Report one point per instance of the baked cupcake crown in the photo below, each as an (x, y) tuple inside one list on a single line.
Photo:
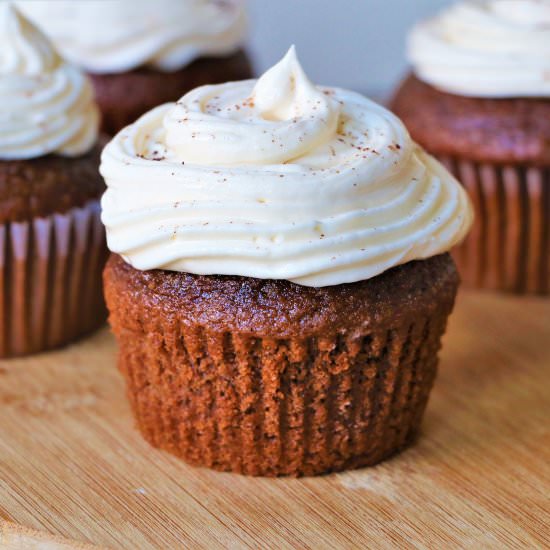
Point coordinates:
[(46, 105), (277, 179)]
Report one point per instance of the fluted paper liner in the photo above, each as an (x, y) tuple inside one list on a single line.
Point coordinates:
[(262, 406), (509, 246), (50, 276)]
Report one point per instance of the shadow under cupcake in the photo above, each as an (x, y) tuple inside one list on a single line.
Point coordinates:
[(278, 297)]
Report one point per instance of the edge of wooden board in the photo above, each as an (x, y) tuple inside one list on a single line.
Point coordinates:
[(18, 537)]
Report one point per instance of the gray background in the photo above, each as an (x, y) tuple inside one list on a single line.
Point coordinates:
[(356, 44)]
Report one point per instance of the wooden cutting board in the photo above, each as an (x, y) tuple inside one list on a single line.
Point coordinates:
[(72, 465)]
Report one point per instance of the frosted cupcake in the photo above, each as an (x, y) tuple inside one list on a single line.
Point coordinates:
[(479, 100), (140, 54), (52, 242), (279, 284)]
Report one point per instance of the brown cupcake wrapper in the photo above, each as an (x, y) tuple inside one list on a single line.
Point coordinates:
[(50, 280), (508, 247), (270, 407)]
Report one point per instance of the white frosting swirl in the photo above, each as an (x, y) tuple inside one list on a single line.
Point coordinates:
[(111, 36), (486, 48), (278, 179), (46, 105)]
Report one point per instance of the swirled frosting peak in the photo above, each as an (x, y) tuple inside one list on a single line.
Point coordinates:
[(280, 179), (110, 36), (46, 106), (284, 117), (486, 48)]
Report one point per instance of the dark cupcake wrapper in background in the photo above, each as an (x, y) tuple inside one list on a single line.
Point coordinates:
[(50, 277), (508, 248), (270, 406)]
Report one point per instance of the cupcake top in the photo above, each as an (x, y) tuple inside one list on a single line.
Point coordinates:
[(112, 36), (486, 48), (46, 105), (277, 179)]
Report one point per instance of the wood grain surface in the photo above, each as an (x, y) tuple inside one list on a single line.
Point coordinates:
[(72, 465)]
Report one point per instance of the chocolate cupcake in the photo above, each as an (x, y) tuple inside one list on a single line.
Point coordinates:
[(146, 53), (279, 284), (479, 101), (52, 243)]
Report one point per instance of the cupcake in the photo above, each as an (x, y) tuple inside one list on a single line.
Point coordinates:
[(479, 100), (280, 280), (146, 53), (51, 239)]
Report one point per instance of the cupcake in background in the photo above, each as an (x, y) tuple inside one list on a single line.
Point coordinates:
[(140, 54), (279, 284), (479, 99), (52, 243)]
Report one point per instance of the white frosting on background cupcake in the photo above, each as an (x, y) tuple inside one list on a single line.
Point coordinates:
[(111, 36), (486, 48), (277, 178), (46, 105)]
